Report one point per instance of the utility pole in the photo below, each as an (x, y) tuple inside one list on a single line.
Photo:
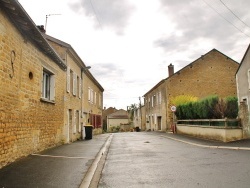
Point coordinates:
[(47, 19), (140, 111)]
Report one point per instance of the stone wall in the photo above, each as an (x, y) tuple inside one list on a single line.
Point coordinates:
[(212, 74), (27, 124), (244, 117)]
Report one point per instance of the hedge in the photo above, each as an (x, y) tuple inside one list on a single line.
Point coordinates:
[(211, 107)]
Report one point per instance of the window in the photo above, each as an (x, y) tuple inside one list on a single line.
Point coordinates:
[(71, 81), (74, 84), (80, 88), (68, 79), (91, 95), (48, 85), (95, 98), (159, 97), (100, 100)]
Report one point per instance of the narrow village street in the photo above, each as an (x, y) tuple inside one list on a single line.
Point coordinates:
[(149, 159), (134, 159)]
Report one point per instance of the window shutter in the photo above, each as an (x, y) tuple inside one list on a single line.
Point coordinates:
[(80, 88), (74, 121), (79, 116), (68, 79), (95, 98), (74, 84), (89, 93), (52, 87)]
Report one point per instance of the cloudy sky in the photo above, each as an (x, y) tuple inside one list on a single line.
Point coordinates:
[(130, 43)]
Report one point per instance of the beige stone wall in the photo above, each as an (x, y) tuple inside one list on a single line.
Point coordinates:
[(211, 133), (157, 111), (27, 124), (212, 74), (91, 106)]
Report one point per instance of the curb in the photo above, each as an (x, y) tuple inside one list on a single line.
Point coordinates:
[(209, 146), (92, 169)]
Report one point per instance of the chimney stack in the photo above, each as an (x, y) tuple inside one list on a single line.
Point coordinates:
[(41, 28), (170, 70)]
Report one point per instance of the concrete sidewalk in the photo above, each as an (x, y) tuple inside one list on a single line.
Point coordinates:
[(64, 166), (235, 145)]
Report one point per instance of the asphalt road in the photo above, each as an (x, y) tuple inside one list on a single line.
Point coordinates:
[(147, 159)]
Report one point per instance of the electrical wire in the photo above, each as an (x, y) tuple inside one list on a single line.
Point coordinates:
[(226, 19), (95, 13), (234, 14)]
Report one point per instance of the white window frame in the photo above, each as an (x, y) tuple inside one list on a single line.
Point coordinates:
[(74, 121), (89, 94), (68, 79), (79, 116), (80, 88), (48, 85), (74, 83), (95, 98), (159, 97)]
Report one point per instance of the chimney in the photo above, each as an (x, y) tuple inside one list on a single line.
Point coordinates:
[(170, 70), (41, 28)]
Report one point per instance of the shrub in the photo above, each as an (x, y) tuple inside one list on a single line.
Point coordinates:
[(232, 107), (210, 107)]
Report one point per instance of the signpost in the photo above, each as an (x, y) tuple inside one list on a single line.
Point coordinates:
[(173, 109)]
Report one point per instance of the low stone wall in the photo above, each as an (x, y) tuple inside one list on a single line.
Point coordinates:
[(213, 133)]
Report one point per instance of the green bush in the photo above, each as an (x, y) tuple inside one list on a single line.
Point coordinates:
[(210, 107), (232, 107)]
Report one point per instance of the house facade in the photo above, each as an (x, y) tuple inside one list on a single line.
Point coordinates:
[(105, 113), (211, 74), (155, 108), (139, 118), (32, 87), (243, 92), (47, 93), (84, 95), (118, 118)]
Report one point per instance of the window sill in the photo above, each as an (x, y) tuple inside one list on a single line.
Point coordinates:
[(47, 101)]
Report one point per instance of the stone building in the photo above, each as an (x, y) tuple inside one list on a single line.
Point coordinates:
[(105, 114), (84, 95), (118, 119), (47, 92), (243, 92), (211, 74), (32, 87)]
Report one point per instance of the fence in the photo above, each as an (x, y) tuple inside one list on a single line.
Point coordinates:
[(223, 123)]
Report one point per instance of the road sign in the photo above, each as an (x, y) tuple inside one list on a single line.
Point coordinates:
[(173, 108)]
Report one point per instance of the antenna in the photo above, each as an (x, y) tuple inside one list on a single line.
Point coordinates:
[(47, 19)]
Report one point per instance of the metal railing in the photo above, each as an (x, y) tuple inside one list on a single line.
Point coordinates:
[(226, 123)]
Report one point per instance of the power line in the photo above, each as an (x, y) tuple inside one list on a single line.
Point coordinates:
[(226, 19), (95, 13), (234, 14)]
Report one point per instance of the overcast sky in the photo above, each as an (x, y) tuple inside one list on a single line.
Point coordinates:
[(130, 43)]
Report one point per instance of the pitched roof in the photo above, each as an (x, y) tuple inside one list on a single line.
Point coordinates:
[(188, 66), (120, 114), (22, 21), (73, 52), (248, 48)]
